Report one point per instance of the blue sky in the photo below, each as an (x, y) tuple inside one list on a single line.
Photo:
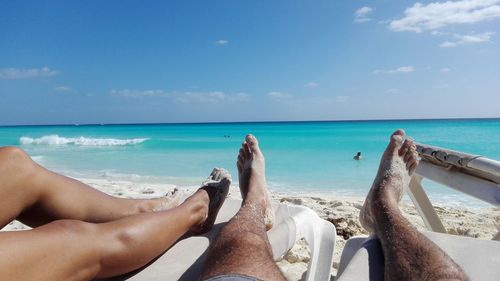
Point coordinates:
[(206, 61)]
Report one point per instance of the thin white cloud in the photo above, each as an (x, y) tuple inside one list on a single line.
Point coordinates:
[(441, 86), (473, 38), (137, 93), (362, 14), (200, 97), (63, 89), (278, 95), (393, 91), (341, 99), (402, 69), (436, 15), (240, 97), (312, 84), (182, 97), (444, 70), (209, 97), (26, 73), (221, 42), (438, 33)]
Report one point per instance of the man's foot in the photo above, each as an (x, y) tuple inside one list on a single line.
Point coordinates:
[(397, 165), (217, 188), (252, 178)]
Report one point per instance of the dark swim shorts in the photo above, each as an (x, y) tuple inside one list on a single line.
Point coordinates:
[(232, 277)]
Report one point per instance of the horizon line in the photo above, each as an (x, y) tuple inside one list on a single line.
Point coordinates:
[(248, 122)]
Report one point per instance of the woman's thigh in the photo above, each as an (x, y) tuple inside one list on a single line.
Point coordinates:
[(62, 250)]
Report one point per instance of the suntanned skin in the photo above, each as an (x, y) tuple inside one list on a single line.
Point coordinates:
[(84, 233), (36, 196), (242, 246), (408, 254)]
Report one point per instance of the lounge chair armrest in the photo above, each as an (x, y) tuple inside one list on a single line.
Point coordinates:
[(320, 235)]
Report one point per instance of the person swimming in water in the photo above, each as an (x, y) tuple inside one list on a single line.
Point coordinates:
[(358, 156)]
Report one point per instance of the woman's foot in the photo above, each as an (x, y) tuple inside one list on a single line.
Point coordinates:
[(397, 165), (171, 200), (252, 178), (212, 194)]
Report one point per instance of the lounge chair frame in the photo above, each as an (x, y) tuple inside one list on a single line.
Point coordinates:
[(474, 175)]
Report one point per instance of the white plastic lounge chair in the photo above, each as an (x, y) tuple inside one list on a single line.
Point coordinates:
[(362, 257), (184, 260), (473, 175)]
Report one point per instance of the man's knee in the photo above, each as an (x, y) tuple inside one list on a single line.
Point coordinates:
[(244, 253)]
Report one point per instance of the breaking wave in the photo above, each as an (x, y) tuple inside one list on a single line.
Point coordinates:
[(80, 141)]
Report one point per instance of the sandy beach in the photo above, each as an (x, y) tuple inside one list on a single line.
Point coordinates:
[(343, 212)]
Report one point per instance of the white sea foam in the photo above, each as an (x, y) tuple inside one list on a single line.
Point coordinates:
[(80, 141), (38, 158)]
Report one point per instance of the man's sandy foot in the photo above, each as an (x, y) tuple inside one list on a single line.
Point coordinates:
[(397, 165), (217, 187), (252, 178)]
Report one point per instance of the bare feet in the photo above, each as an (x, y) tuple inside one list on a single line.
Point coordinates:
[(252, 178), (171, 200), (216, 186), (397, 165)]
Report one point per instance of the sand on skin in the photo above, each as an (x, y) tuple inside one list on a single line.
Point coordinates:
[(343, 212)]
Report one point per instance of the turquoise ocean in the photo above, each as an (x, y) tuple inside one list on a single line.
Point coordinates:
[(301, 157)]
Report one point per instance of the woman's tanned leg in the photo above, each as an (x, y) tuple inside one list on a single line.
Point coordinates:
[(37, 196), (76, 250)]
